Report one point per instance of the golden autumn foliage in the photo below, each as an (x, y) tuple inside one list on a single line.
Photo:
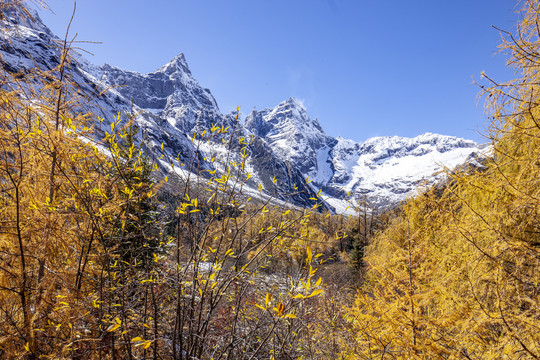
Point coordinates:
[(97, 261), (63, 209), (457, 274), (101, 260)]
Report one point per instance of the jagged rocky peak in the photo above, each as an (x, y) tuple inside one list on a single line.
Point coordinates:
[(170, 92), (290, 112), (288, 120), (154, 89), (292, 135), (178, 64), (294, 107)]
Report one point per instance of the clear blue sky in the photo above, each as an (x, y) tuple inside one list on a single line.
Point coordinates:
[(362, 67)]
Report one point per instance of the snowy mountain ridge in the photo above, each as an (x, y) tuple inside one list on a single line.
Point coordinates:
[(382, 170), (287, 144), (289, 131)]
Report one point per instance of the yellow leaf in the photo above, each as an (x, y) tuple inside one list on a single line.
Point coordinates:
[(115, 326), (279, 309), (267, 299), (290, 316), (309, 254)]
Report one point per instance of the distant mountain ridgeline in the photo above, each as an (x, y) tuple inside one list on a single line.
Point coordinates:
[(285, 143)]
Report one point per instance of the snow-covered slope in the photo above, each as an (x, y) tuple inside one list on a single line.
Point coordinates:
[(294, 137), (386, 170), (170, 105), (285, 143), (382, 170)]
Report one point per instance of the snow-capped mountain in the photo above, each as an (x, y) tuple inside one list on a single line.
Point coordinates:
[(170, 92), (386, 170), (294, 137), (382, 170), (285, 143), (170, 106)]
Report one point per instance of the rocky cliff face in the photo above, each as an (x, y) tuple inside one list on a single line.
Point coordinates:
[(170, 92), (294, 137), (382, 170), (285, 143)]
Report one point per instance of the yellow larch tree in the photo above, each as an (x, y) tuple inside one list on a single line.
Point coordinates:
[(456, 276)]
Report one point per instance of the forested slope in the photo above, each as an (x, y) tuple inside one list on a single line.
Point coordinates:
[(457, 275), (100, 259)]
